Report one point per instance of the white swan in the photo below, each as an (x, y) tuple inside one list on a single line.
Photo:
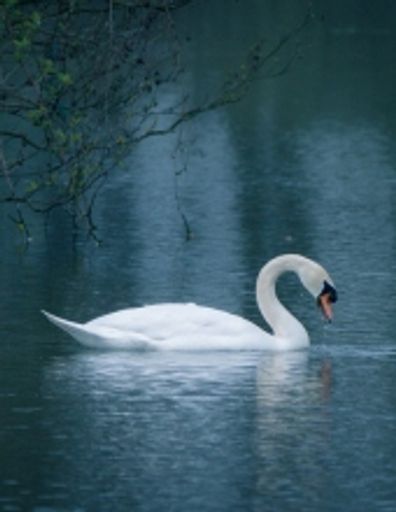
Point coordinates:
[(193, 327)]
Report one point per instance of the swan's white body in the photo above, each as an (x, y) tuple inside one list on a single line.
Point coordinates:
[(193, 327)]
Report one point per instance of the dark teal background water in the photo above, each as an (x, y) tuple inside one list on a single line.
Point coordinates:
[(306, 163)]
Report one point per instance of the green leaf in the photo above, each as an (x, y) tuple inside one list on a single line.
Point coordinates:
[(36, 19), (21, 226), (47, 66), (32, 186), (65, 79), (21, 46), (60, 136), (75, 137)]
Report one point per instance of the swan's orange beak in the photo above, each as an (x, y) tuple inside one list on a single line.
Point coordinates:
[(324, 302)]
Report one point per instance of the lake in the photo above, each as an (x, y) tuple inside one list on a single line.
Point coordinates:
[(305, 163)]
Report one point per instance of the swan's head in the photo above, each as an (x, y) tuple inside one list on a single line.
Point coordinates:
[(326, 298), (318, 282)]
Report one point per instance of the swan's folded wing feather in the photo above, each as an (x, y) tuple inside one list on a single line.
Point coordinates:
[(186, 326)]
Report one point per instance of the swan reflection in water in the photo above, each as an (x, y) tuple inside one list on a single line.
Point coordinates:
[(293, 423), (172, 424)]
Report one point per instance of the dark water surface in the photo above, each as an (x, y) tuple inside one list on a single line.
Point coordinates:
[(305, 164), (299, 431)]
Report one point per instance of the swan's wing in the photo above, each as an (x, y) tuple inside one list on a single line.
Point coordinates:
[(185, 326), (99, 336)]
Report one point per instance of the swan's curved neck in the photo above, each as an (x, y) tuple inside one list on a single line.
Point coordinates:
[(282, 322)]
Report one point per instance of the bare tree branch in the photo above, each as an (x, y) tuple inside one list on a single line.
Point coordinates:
[(81, 85)]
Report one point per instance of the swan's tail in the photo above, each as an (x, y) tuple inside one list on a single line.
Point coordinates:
[(78, 331), (102, 337)]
